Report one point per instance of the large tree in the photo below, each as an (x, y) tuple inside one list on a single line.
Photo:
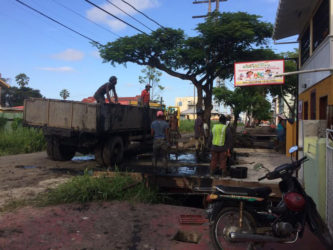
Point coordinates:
[(22, 80), (221, 40), (15, 96)]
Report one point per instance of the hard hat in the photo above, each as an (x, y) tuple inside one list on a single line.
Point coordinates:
[(112, 79), (159, 113)]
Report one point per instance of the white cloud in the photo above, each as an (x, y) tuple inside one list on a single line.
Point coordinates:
[(69, 55), (100, 16), (57, 69)]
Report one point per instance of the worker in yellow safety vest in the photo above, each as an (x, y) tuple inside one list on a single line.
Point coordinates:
[(221, 144)]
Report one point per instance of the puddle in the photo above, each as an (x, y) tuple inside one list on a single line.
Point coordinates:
[(83, 158), (25, 167), (67, 171), (189, 158), (186, 170)]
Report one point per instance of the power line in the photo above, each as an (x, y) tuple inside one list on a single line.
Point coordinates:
[(28, 6), (129, 15), (143, 13), (64, 6), (115, 17)]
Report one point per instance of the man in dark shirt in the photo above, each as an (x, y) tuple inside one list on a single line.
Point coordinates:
[(160, 133), (221, 144), (105, 89)]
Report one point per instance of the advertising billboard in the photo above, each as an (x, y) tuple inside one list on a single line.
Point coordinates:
[(258, 73)]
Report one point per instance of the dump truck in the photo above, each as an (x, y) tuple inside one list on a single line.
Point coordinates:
[(105, 130)]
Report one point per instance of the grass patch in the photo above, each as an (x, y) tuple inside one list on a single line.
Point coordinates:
[(186, 126), (86, 188), (21, 140)]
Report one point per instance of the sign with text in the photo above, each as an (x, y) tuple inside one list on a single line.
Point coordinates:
[(258, 73)]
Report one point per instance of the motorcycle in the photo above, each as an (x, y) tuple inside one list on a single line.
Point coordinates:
[(249, 217)]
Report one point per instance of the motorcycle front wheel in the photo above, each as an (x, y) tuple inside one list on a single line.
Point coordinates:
[(226, 222)]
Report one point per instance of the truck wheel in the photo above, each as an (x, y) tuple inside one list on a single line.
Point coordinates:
[(113, 151), (59, 152), (99, 154)]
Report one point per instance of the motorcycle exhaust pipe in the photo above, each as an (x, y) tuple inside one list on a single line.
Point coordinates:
[(236, 237)]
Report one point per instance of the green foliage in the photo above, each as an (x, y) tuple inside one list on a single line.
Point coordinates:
[(17, 123), (186, 126), (87, 188), (64, 94), (222, 39), (22, 80), (245, 99), (15, 96), (3, 122), (21, 140)]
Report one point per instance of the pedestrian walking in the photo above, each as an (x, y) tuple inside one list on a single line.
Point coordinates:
[(160, 133), (221, 144)]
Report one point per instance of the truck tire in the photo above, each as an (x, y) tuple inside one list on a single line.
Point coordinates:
[(58, 152), (99, 154), (113, 151)]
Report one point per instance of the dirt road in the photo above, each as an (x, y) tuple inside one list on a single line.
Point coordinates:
[(25, 175)]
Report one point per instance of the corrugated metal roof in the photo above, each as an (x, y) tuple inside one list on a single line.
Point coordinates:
[(292, 16)]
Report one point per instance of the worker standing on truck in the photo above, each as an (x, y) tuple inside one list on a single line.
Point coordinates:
[(145, 96), (160, 133), (105, 89)]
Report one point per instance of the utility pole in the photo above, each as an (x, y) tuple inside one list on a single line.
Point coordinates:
[(217, 8)]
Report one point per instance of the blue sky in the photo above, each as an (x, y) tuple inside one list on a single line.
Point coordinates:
[(55, 58)]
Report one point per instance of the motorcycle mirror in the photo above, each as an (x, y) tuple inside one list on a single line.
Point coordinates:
[(293, 149)]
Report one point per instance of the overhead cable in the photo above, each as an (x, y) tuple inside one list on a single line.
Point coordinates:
[(28, 6), (116, 17), (64, 6), (129, 15), (142, 13)]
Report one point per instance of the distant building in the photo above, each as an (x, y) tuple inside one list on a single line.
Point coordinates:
[(279, 107)]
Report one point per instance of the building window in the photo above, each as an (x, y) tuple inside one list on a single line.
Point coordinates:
[(313, 105), (323, 108), (306, 111), (321, 23), (180, 104), (305, 45)]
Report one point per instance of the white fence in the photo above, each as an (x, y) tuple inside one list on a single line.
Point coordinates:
[(329, 179)]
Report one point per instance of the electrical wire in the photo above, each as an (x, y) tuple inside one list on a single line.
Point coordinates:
[(143, 14), (64, 6), (28, 6), (114, 17), (129, 15)]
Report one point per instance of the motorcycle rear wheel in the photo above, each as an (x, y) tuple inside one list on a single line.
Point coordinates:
[(227, 221)]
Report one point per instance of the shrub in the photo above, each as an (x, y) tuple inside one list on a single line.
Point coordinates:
[(86, 188), (21, 140)]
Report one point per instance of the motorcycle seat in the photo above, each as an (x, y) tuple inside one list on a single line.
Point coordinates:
[(261, 192)]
